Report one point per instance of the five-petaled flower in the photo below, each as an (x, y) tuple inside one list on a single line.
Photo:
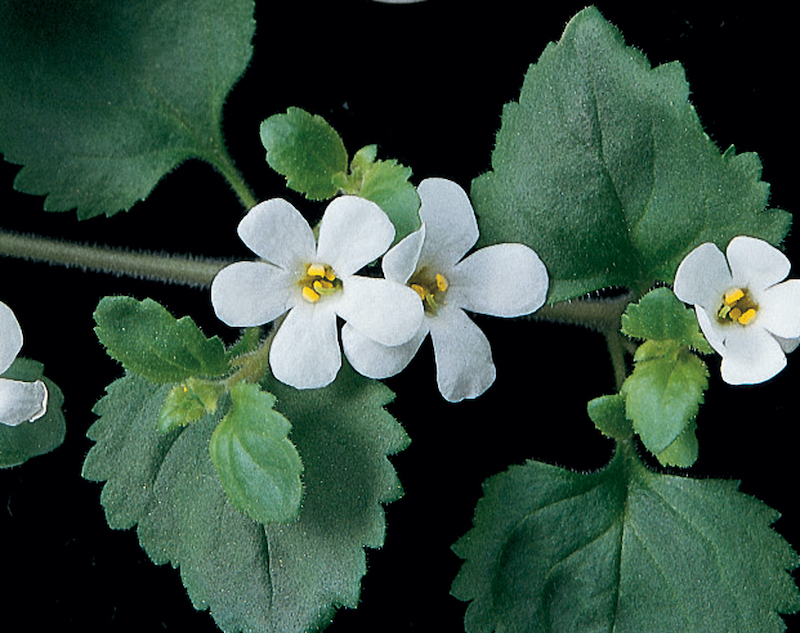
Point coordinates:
[(19, 401), (505, 280), (312, 282), (746, 310)]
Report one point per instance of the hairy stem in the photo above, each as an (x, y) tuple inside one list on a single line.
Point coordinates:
[(178, 269)]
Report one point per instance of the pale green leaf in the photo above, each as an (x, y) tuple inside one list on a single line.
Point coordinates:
[(100, 100), (29, 439), (624, 550), (602, 167)]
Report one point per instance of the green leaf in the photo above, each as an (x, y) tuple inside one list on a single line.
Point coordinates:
[(257, 464), (149, 341), (661, 316), (683, 452), (189, 401), (29, 439), (608, 415), (663, 395), (100, 100), (306, 150), (280, 578), (602, 167), (624, 550)]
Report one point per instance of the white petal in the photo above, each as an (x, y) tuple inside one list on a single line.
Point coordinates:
[(353, 232), (712, 330), (751, 355), (21, 401), (374, 360), (703, 276), (401, 260), (277, 232), (386, 311), (305, 352), (505, 280), (779, 309), (451, 228), (464, 365), (246, 294), (10, 337), (755, 263)]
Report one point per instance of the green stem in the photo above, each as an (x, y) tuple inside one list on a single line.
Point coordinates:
[(178, 269), (224, 164)]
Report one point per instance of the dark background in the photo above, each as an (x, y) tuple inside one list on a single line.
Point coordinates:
[(426, 83)]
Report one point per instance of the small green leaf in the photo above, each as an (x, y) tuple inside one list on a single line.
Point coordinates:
[(29, 439), (149, 341), (661, 316), (602, 167), (608, 415), (624, 550), (663, 395), (306, 150), (256, 462), (683, 452), (100, 100), (189, 401)]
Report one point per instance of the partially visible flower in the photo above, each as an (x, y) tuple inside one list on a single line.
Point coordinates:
[(19, 401), (314, 282), (746, 310), (505, 280)]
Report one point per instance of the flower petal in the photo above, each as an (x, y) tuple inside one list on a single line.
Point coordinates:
[(353, 232), (451, 228), (506, 280), (464, 365), (779, 309), (245, 294), (703, 276), (751, 355), (10, 337), (305, 352), (401, 260), (21, 401), (374, 360), (386, 311), (755, 263), (277, 232)]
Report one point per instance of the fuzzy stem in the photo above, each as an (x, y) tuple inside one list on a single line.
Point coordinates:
[(178, 269)]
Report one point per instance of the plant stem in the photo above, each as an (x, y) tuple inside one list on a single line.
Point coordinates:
[(223, 163), (178, 269)]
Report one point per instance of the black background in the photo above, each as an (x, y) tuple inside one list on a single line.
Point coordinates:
[(425, 82)]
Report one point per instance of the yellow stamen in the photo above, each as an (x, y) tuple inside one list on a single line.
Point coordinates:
[(419, 290), (310, 295), (734, 314), (733, 295), (441, 282), (329, 274), (317, 270), (747, 317)]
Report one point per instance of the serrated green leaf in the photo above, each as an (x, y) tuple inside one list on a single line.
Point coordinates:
[(602, 167), (149, 341), (608, 415), (29, 439), (623, 550), (306, 150), (663, 395), (683, 452), (661, 316), (281, 578), (189, 401), (100, 100), (256, 462)]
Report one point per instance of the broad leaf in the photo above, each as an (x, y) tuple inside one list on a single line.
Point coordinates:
[(602, 167), (282, 578), (624, 550), (149, 341), (256, 462), (29, 439), (100, 100)]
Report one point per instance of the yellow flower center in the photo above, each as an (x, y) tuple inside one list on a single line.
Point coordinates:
[(430, 288), (319, 280), (737, 307)]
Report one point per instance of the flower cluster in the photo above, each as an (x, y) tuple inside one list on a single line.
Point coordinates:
[(427, 286), (19, 401), (747, 312)]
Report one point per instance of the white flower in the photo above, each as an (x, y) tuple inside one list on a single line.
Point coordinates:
[(19, 401), (748, 313), (315, 282), (502, 280)]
